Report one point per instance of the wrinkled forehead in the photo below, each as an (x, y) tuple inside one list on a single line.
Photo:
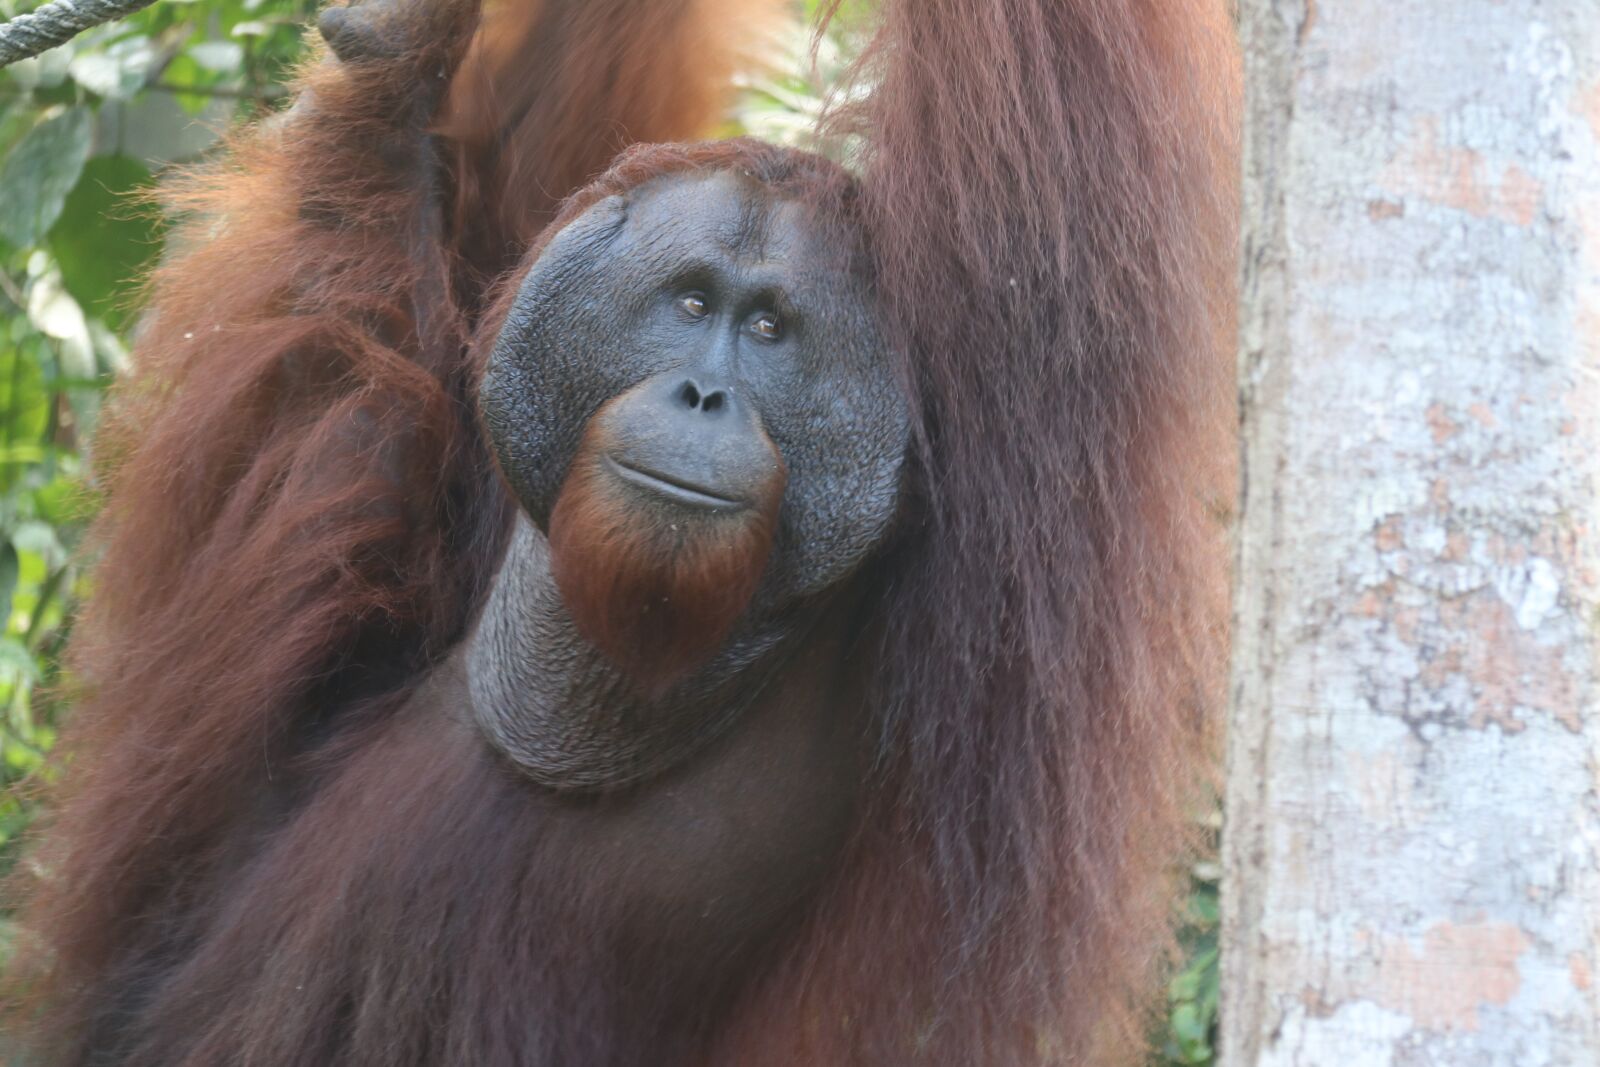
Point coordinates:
[(723, 214)]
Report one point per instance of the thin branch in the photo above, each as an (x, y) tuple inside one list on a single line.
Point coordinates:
[(267, 93), (9, 287), (56, 23)]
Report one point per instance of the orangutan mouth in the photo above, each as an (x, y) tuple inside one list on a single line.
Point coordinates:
[(674, 488)]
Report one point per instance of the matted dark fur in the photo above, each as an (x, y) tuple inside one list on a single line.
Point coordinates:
[(302, 519)]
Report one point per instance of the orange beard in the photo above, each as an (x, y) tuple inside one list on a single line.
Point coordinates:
[(656, 589)]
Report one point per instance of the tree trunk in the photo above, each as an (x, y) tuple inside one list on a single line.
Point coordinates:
[(1413, 830)]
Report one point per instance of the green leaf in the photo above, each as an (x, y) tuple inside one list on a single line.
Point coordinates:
[(15, 121), (1189, 1028), (9, 570), (185, 72), (24, 410), (104, 240), (44, 71), (61, 502), (219, 57), (1203, 909), (119, 71), (109, 347), (40, 549), (40, 171), (57, 315), (15, 656), (1189, 984)]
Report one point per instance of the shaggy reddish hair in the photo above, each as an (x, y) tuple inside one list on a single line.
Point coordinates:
[(1050, 194), (302, 519)]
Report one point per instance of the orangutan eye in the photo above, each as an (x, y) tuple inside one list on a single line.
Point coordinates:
[(766, 327), (694, 305)]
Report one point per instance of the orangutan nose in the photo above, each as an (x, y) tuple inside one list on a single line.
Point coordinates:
[(706, 396)]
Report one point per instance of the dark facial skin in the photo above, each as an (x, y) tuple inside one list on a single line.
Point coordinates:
[(692, 405), (706, 280)]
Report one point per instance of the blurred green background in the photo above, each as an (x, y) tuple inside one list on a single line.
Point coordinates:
[(85, 131)]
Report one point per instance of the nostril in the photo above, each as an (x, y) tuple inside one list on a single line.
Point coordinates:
[(688, 394)]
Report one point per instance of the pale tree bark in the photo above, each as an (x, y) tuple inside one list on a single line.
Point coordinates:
[(1413, 831)]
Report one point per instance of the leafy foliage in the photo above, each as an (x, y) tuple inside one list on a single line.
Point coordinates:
[(1189, 1035), (805, 75), (85, 130)]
